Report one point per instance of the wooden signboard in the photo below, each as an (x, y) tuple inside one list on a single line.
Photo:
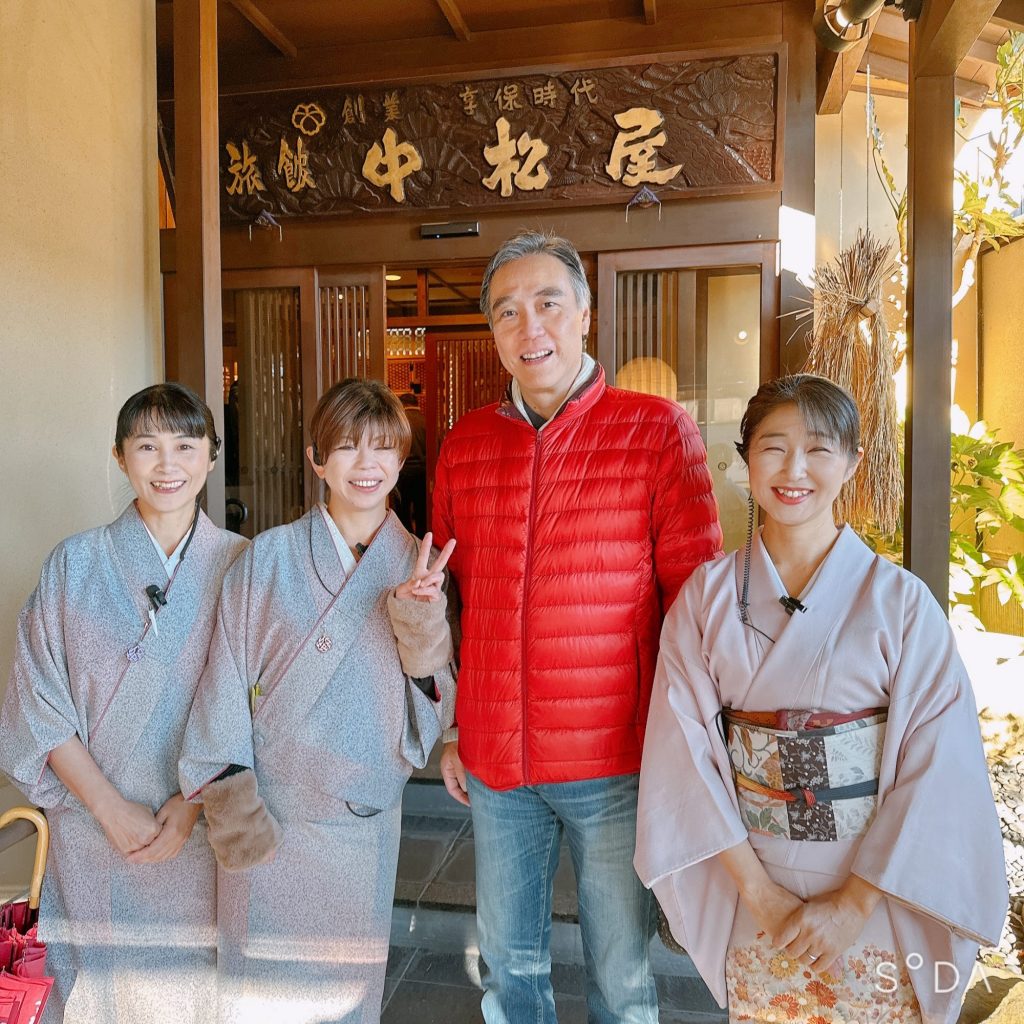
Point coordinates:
[(601, 135)]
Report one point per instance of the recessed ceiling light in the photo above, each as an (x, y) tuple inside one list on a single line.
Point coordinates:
[(392, 277)]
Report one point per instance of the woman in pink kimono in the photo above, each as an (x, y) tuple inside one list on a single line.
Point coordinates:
[(109, 651), (815, 815)]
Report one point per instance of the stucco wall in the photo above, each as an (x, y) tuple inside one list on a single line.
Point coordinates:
[(1002, 369), (79, 270)]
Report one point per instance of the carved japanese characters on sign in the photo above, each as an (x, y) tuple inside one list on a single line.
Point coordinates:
[(635, 152), (389, 165), (245, 175), (294, 165), (528, 173), (688, 128), (583, 89)]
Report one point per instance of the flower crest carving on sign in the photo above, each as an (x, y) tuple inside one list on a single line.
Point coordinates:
[(309, 118)]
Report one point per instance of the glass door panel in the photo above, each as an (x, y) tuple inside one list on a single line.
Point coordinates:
[(673, 323)]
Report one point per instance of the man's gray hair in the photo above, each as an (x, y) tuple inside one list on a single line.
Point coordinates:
[(533, 243)]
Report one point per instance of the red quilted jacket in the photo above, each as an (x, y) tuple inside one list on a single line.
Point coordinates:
[(572, 543)]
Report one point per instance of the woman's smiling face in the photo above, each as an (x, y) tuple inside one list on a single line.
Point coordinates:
[(361, 474), (796, 475), (166, 469)]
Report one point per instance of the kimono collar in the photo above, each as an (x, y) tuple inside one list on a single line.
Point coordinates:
[(170, 561), (798, 639), (345, 556), (327, 559), (826, 584), (137, 557)]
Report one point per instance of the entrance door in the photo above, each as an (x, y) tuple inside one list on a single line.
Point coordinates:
[(697, 325), (269, 322)]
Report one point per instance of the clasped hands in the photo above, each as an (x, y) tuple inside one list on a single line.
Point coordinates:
[(143, 837), (819, 930)]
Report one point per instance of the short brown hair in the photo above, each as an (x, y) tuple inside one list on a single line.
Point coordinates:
[(350, 409), (827, 409)]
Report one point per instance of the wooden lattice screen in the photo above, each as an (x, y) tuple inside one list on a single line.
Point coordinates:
[(465, 373), (344, 332), (269, 405)]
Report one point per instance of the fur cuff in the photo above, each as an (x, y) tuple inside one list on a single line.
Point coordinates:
[(242, 832), (424, 638)]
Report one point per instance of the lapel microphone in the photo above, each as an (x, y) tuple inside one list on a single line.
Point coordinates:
[(156, 597), (792, 604)]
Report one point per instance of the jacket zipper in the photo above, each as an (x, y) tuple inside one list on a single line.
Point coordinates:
[(526, 591)]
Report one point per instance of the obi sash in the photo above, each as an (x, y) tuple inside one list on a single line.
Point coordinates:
[(806, 775)]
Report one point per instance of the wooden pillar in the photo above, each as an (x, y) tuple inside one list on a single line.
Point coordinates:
[(929, 330), (796, 226), (939, 41), (197, 215)]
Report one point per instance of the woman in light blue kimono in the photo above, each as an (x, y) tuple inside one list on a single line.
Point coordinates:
[(110, 647), (330, 678)]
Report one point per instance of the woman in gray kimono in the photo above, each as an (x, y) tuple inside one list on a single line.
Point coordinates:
[(329, 680), (110, 647)]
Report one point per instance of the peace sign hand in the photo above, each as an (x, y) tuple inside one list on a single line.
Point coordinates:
[(425, 583)]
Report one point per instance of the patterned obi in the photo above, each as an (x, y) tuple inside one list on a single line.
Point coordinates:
[(808, 775)]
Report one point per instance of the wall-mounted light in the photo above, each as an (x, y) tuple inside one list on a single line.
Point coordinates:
[(392, 277), (451, 229), (839, 26), (741, 337)]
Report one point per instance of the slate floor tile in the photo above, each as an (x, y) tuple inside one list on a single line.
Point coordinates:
[(458, 969), (419, 1002)]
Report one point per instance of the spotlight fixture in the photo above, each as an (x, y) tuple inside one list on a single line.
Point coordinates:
[(840, 25)]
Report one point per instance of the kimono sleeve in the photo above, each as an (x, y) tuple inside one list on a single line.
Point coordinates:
[(39, 712), (935, 846), (687, 809), (219, 729)]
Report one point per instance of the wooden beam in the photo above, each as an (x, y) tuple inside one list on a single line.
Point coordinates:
[(893, 70), (971, 93), (650, 11), (946, 32), (452, 14), (199, 343), (985, 52), (266, 28), (836, 71), (1010, 13)]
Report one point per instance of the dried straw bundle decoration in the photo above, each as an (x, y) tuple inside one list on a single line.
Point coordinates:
[(850, 344)]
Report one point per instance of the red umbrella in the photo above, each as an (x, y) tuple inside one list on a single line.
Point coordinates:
[(23, 987)]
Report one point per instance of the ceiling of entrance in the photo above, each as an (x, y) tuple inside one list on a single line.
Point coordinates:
[(272, 42), (280, 44)]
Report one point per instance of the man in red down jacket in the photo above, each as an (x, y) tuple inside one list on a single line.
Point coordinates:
[(579, 511)]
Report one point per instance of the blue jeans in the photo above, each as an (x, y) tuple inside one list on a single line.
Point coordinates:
[(517, 834)]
